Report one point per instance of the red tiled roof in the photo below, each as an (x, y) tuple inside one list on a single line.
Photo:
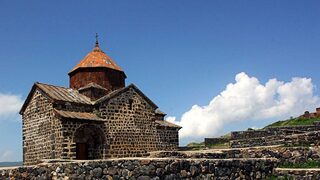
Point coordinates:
[(97, 58)]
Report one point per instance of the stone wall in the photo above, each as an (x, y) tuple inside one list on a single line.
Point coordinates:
[(260, 141), (283, 154), (274, 131), (306, 139), (168, 138), (144, 169), (130, 123), (303, 139), (212, 141), (42, 137), (284, 173)]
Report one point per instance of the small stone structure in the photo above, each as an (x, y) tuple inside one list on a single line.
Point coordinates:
[(98, 117), (308, 115)]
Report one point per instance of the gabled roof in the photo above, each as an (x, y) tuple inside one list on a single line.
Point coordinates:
[(61, 94), (119, 91), (78, 115), (159, 112), (97, 58), (56, 93), (165, 123), (92, 85)]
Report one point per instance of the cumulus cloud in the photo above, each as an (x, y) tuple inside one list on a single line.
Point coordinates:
[(10, 105), (248, 99)]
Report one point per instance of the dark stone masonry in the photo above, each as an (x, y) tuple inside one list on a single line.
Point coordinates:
[(98, 117), (147, 169)]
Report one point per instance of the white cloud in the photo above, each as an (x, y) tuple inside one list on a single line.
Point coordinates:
[(9, 106), (248, 99)]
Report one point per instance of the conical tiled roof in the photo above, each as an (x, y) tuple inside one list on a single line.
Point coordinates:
[(97, 58)]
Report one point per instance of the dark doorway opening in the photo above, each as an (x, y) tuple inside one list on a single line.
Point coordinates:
[(90, 142), (82, 151)]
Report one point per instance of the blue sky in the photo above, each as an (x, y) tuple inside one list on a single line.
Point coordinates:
[(179, 53)]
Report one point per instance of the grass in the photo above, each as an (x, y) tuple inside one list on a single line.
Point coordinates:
[(293, 122), (219, 145), (307, 164), (199, 146), (196, 146), (226, 136)]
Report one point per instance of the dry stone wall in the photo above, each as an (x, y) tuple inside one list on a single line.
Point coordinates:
[(145, 169), (301, 174), (260, 141), (274, 131), (212, 141), (283, 154), (41, 130), (306, 139), (301, 139)]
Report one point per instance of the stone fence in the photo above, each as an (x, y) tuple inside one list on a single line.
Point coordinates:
[(310, 138), (260, 141), (148, 168), (289, 140), (213, 141), (274, 131), (283, 154), (284, 173)]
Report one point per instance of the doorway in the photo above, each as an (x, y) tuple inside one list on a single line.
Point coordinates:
[(82, 151), (90, 142)]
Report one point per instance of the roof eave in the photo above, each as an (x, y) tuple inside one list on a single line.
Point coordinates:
[(117, 92), (79, 68)]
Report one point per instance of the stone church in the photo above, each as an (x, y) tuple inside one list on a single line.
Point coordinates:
[(97, 117)]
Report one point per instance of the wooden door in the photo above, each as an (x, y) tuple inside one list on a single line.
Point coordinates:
[(82, 151)]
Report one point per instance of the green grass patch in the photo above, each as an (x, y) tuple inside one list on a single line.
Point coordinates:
[(196, 146), (294, 122), (226, 136), (307, 164), (219, 145)]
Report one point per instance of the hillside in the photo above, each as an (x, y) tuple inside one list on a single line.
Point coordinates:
[(293, 122)]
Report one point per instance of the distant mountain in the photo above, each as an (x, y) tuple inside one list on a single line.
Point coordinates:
[(8, 164)]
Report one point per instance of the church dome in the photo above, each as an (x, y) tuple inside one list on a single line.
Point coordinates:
[(97, 68), (97, 58)]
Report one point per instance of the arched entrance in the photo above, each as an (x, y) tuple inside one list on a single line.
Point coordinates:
[(90, 142)]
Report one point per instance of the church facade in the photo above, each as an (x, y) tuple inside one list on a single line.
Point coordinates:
[(97, 117)]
